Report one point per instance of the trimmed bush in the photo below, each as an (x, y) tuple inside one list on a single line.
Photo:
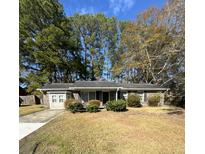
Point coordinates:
[(94, 102), (133, 101), (68, 102), (75, 107), (116, 106), (154, 100), (92, 108), (109, 105)]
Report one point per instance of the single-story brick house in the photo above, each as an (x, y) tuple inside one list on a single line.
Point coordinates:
[(101, 90)]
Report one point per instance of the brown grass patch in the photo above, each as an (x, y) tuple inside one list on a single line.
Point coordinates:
[(24, 110), (109, 132)]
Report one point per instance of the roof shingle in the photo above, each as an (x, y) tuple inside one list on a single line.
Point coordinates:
[(99, 84)]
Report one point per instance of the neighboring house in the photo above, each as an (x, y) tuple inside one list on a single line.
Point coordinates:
[(101, 90)]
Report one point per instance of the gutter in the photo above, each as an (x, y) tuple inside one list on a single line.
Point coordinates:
[(101, 88), (78, 88), (49, 89), (104, 88), (145, 89)]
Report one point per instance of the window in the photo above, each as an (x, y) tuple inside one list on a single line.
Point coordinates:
[(91, 95), (112, 95), (54, 100), (61, 98), (99, 95)]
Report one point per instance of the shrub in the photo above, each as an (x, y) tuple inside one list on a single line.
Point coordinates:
[(94, 102), (75, 107), (108, 105), (68, 102), (154, 100), (117, 106), (178, 101), (92, 108), (133, 101)]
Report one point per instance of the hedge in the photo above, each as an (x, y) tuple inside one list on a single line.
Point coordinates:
[(76, 107), (94, 102), (154, 100), (133, 101), (93, 106), (116, 106), (68, 102)]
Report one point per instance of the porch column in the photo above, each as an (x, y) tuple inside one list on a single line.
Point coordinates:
[(116, 94), (143, 97)]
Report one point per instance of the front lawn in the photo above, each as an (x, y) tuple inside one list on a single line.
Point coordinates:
[(160, 109), (28, 109), (135, 131)]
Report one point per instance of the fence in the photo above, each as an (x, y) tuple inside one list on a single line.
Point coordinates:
[(34, 99)]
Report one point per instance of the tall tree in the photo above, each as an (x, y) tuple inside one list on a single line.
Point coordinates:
[(48, 51), (152, 48), (174, 15), (143, 44), (35, 15), (98, 35)]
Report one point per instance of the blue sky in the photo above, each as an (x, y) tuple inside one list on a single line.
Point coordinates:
[(122, 9)]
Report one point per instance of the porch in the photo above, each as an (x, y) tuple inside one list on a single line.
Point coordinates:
[(102, 95)]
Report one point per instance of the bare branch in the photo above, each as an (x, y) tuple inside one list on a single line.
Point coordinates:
[(150, 64)]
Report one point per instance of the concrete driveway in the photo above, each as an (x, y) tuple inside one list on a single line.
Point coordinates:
[(32, 122)]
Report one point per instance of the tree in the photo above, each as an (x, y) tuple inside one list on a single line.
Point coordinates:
[(48, 52), (174, 15), (34, 15), (143, 48), (98, 35), (56, 48), (152, 48)]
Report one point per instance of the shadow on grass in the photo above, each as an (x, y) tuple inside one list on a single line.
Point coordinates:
[(42, 106), (121, 110), (24, 105), (174, 111), (83, 111)]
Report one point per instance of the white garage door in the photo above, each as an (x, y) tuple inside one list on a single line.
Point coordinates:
[(57, 101)]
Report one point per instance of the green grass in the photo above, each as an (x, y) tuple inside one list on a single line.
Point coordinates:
[(135, 131), (28, 109)]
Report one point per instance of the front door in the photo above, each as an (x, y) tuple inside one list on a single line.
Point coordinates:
[(105, 97)]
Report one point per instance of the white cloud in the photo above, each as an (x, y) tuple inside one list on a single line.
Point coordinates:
[(120, 5), (89, 10)]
